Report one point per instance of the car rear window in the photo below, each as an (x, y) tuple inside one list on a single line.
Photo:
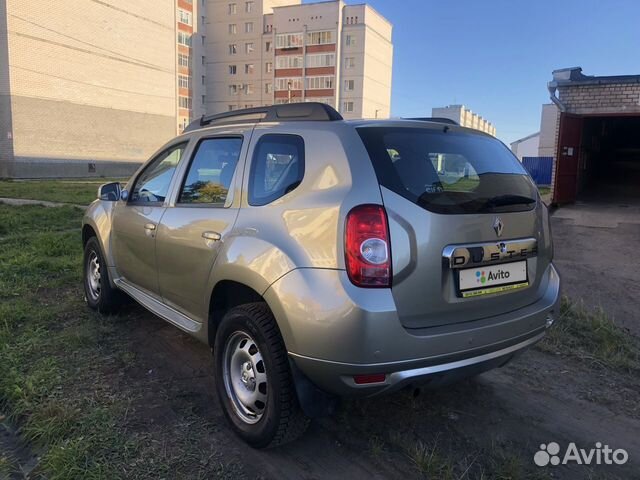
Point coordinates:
[(448, 171)]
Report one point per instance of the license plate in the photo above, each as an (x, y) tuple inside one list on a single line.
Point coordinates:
[(493, 279)]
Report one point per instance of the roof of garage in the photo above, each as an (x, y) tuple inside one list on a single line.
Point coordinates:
[(574, 76)]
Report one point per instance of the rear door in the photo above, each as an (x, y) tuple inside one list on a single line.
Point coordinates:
[(194, 227), (448, 190), (135, 221)]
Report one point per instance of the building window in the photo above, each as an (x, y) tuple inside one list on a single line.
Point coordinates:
[(184, 102), (231, 107), (348, 107), (268, 67), (350, 41), (203, 60), (283, 83), (233, 70), (248, 47), (248, 27), (320, 83), (233, 49), (282, 101), (248, 88), (349, 85), (320, 38), (204, 40), (248, 68), (289, 40), (327, 100), (350, 62), (184, 39), (267, 46), (185, 17), (248, 7), (204, 99), (321, 60), (184, 81), (268, 88), (233, 89), (233, 29), (289, 61), (232, 9), (204, 80), (184, 60)]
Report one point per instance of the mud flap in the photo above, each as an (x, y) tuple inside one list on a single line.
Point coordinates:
[(314, 402)]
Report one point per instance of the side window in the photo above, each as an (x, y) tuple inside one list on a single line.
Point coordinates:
[(276, 169), (211, 170), (153, 183)]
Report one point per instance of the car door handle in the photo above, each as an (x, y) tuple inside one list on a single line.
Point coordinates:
[(213, 236), (150, 226)]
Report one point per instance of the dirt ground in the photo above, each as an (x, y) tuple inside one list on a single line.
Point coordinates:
[(505, 414), (596, 251)]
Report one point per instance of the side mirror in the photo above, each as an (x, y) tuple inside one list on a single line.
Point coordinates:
[(124, 195), (110, 192)]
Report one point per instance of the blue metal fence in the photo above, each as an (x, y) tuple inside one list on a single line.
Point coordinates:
[(539, 168)]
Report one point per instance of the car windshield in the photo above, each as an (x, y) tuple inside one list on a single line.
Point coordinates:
[(449, 171)]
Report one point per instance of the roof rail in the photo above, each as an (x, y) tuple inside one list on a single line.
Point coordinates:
[(435, 120), (308, 111)]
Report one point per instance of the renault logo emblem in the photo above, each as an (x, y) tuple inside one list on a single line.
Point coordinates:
[(498, 226)]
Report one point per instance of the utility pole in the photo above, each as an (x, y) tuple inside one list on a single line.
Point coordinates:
[(289, 91)]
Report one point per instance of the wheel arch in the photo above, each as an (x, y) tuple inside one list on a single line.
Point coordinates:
[(225, 295)]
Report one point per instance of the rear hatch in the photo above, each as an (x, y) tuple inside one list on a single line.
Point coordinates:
[(466, 223)]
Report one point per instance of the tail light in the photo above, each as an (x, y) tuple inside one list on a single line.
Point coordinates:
[(367, 248)]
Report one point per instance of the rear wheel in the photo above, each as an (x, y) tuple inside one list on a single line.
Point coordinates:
[(253, 379), (99, 293)]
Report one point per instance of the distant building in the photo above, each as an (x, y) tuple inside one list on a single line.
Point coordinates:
[(95, 90), (261, 52), (465, 118), (527, 146), (592, 131)]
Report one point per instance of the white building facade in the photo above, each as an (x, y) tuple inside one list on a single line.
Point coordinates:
[(464, 117)]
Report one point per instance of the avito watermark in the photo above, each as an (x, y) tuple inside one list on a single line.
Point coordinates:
[(549, 454)]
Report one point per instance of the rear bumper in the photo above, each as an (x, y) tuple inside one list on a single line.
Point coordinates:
[(334, 331), (338, 378)]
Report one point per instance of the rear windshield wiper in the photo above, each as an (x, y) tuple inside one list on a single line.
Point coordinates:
[(504, 200)]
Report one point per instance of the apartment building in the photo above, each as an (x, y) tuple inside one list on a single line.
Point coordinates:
[(464, 117), (261, 52), (191, 62), (93, 88)]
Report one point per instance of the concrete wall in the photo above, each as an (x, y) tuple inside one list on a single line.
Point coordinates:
[(6, 128), (89, 85), (527, 147), (378, 62), (548, 130)]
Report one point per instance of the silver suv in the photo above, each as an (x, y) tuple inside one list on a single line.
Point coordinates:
[(321, 258)]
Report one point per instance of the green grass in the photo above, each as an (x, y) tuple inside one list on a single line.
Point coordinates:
[(56, 358), (592, 336), (544, 190), (80, 191)]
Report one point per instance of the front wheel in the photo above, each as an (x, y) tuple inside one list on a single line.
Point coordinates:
[(253, 379)]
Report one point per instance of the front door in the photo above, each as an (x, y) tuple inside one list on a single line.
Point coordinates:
[(136, 221), (568, 156), (193, 230)]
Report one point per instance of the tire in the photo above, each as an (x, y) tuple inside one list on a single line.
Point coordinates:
[(98, 292), (253, 379)]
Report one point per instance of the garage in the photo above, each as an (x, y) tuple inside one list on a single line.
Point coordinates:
[(598, 137)]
